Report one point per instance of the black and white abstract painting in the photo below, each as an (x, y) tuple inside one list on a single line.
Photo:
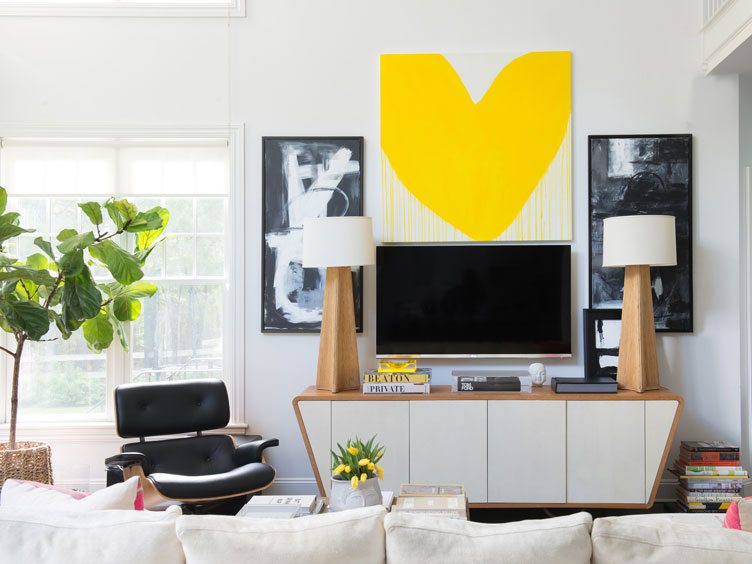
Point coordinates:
[(643, 174), (304, 177), (602, 334)]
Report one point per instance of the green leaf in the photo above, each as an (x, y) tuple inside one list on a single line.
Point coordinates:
[(72, 264), (98, 332), (46, 246), (27, 316), (146, 239), (123, 266), (6, 260), (81, 298), (39, 277), (64, 331), (10, 218), (66, 234), (75, 242), (126, 310), (126, 305), (3, 199), (8, 231), (93, 211), (118, 328), (120, 211), (38, 261), (149, 220)]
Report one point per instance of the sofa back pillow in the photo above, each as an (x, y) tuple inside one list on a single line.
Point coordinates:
[(52, 536), (346, 536), (19, 493), (618, 540), (418, 538)]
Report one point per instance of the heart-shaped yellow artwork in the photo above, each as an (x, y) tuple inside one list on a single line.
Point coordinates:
[(475, 165)]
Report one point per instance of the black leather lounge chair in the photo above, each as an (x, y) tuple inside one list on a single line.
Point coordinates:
[(206, 473)]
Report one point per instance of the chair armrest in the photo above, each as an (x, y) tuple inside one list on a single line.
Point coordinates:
[(251, 452), (128, 459)]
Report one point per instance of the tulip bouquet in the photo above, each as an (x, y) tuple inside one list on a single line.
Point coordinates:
[(358, 461)]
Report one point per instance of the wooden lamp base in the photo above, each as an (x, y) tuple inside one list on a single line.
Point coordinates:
[(638, 362), (338, 368)]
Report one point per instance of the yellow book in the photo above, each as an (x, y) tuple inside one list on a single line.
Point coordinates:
[(420, 377)]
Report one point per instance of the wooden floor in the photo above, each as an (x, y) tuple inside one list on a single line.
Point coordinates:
[(508, 515)]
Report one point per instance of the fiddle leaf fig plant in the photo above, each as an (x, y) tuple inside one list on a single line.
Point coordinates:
[(56, 285)]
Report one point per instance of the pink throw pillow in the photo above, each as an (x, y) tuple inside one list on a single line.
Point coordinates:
[(731, 520)]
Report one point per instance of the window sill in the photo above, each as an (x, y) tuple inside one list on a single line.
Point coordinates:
[(235, 9), (82, 431)]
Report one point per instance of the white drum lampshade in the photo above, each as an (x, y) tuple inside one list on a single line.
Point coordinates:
[(639, 239), (337, 244), (637, 242), (338, 241)]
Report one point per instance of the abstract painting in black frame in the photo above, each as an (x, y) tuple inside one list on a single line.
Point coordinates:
[(304, 177), (601, 332), (643, 174)]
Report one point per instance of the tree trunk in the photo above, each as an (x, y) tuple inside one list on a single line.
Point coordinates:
[(14, 392)]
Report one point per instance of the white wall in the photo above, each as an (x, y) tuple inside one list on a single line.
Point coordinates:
[(303, 67)]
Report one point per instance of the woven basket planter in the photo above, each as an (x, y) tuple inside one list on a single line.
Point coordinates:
[(28, 461)]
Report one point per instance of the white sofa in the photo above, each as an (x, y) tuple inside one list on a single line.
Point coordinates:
[(365, 536)]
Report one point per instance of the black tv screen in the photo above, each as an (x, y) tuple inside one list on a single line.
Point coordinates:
[(480, 300)]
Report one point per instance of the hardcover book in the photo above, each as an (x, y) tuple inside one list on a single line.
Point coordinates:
[(595, 385), (420, 376), (376, 388)]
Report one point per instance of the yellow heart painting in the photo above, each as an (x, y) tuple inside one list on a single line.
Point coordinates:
[(476, 147)]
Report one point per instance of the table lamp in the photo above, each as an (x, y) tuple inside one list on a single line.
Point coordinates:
[(638, 242), (337, 244)]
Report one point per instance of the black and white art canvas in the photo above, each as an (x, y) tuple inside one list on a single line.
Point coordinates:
[(602, 332), (650, 174), (304, 177)]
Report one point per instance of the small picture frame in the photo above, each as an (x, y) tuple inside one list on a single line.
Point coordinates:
[(602, 332)]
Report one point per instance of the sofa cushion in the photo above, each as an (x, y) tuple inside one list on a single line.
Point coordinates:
[(618, 540), (53, 536), (19, 493), (347, 536), (418, 538)]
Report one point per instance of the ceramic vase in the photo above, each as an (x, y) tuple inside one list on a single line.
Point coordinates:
[(343, 496)]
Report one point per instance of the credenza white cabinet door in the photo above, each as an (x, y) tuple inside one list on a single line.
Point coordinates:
[(606, 451), (527, 451), (448, 445), (659, 419), (390, 420), (317, 419)]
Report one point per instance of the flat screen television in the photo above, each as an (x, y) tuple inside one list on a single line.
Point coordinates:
[(473, 301)]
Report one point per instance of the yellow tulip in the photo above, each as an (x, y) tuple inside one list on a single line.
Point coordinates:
[(338, 469), (363, 462), (352, 450), (354, 482), (379, 468), (363, 477), (371, 466), (347, 469), (378, 454), (380, 475)]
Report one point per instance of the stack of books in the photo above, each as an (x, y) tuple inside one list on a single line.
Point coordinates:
[(397, 378), (491, 381), (710, 476), (281, 506), (435, 500)]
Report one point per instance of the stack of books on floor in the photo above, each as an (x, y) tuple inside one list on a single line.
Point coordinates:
[(397, 377), (435, 500), (281, 506), (710, 476), (491, 381)]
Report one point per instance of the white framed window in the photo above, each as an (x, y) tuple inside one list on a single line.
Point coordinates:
[(130, 8), (193, 326)]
